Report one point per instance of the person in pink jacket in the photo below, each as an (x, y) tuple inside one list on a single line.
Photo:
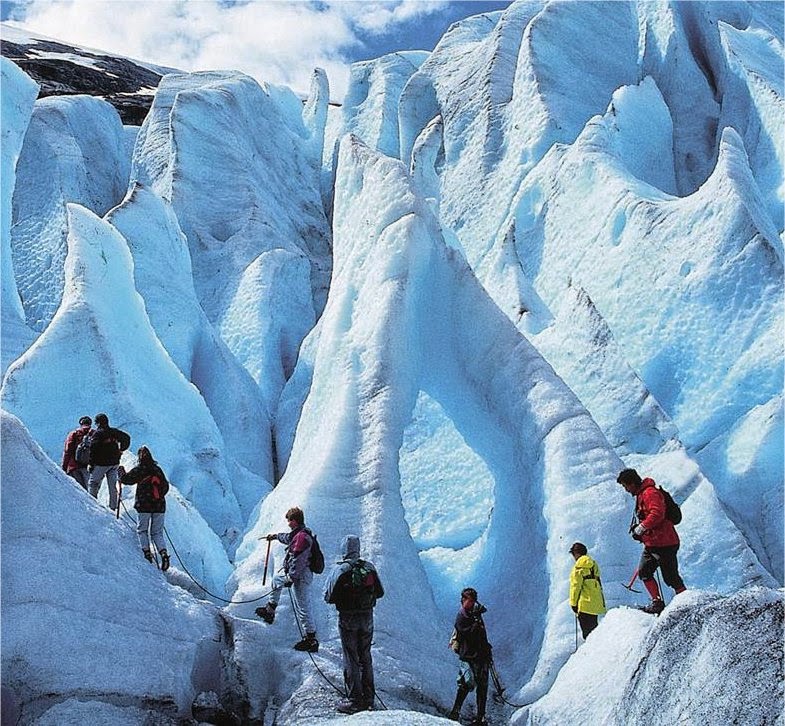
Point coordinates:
[(658, 535)]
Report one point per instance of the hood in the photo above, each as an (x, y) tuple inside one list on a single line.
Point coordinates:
[(584, 562), (350, 547)]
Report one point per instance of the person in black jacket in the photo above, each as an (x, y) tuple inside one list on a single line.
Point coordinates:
[(150, 503), (107, 444), (470, 642)]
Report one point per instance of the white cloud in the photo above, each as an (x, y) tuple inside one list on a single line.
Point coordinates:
[(278, 41)]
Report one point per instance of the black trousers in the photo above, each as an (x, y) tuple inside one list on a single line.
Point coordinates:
[(587, 622), (665, 559)]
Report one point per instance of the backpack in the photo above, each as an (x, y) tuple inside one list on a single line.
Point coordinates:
[(317, 558), (672, 510), (359, 585), (156, 486), (82, 453)]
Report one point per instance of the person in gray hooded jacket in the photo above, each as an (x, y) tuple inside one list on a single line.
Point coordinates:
[(353, 587)]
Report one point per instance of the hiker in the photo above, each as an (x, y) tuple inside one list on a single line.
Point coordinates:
[(470, 642), (107, 444), (149, 503), (71, 465), (296, 574), (658, 535), (586, 597), (353, 587)]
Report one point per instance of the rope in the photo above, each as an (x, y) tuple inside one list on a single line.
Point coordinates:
[(185, 569), (316, 665), (310, 655), (202, 587), (497, 683), (240, 602)]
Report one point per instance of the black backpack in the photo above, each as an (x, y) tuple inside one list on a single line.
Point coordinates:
[(672, 510), (317, 558), (357, 587), (82, 453)]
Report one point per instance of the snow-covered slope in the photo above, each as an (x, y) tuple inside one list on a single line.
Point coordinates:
[(90, 630), (550, 248), (708, 659), (119, 366)]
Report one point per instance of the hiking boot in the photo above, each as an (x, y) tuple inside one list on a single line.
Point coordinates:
[(480, 721), (309, 644), (348, 707), (454, 715), (655, 607), (164, 560), (267, 613), (148, 555)]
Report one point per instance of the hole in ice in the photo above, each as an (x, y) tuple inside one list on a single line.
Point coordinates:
[(447, 493)]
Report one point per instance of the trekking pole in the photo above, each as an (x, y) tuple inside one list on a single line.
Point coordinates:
[(266, 561), (576, 633), (632, 579), (119, 499)]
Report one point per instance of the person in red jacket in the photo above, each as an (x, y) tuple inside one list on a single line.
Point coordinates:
[(70, 465), (658, 535)]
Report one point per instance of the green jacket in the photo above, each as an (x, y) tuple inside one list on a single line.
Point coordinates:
[(585, 587)]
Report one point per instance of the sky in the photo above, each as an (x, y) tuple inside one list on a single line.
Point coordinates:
[(278, 41)]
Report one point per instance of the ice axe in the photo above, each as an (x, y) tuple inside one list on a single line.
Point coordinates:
[(632, 579), (266, 560)]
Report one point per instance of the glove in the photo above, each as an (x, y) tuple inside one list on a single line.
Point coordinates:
[(271, 537), (640, 530), (574, 609), (287, 582)]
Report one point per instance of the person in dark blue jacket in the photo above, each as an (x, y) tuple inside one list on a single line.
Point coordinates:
[(470, 642)]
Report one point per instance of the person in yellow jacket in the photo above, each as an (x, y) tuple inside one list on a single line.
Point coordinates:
[(586, 598)]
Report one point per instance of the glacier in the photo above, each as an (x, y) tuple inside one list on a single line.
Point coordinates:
[(442, 316)]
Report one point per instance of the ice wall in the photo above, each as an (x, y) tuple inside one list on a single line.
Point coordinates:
[(74, 151), (19, 93), (100, 353), (255, 221)]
